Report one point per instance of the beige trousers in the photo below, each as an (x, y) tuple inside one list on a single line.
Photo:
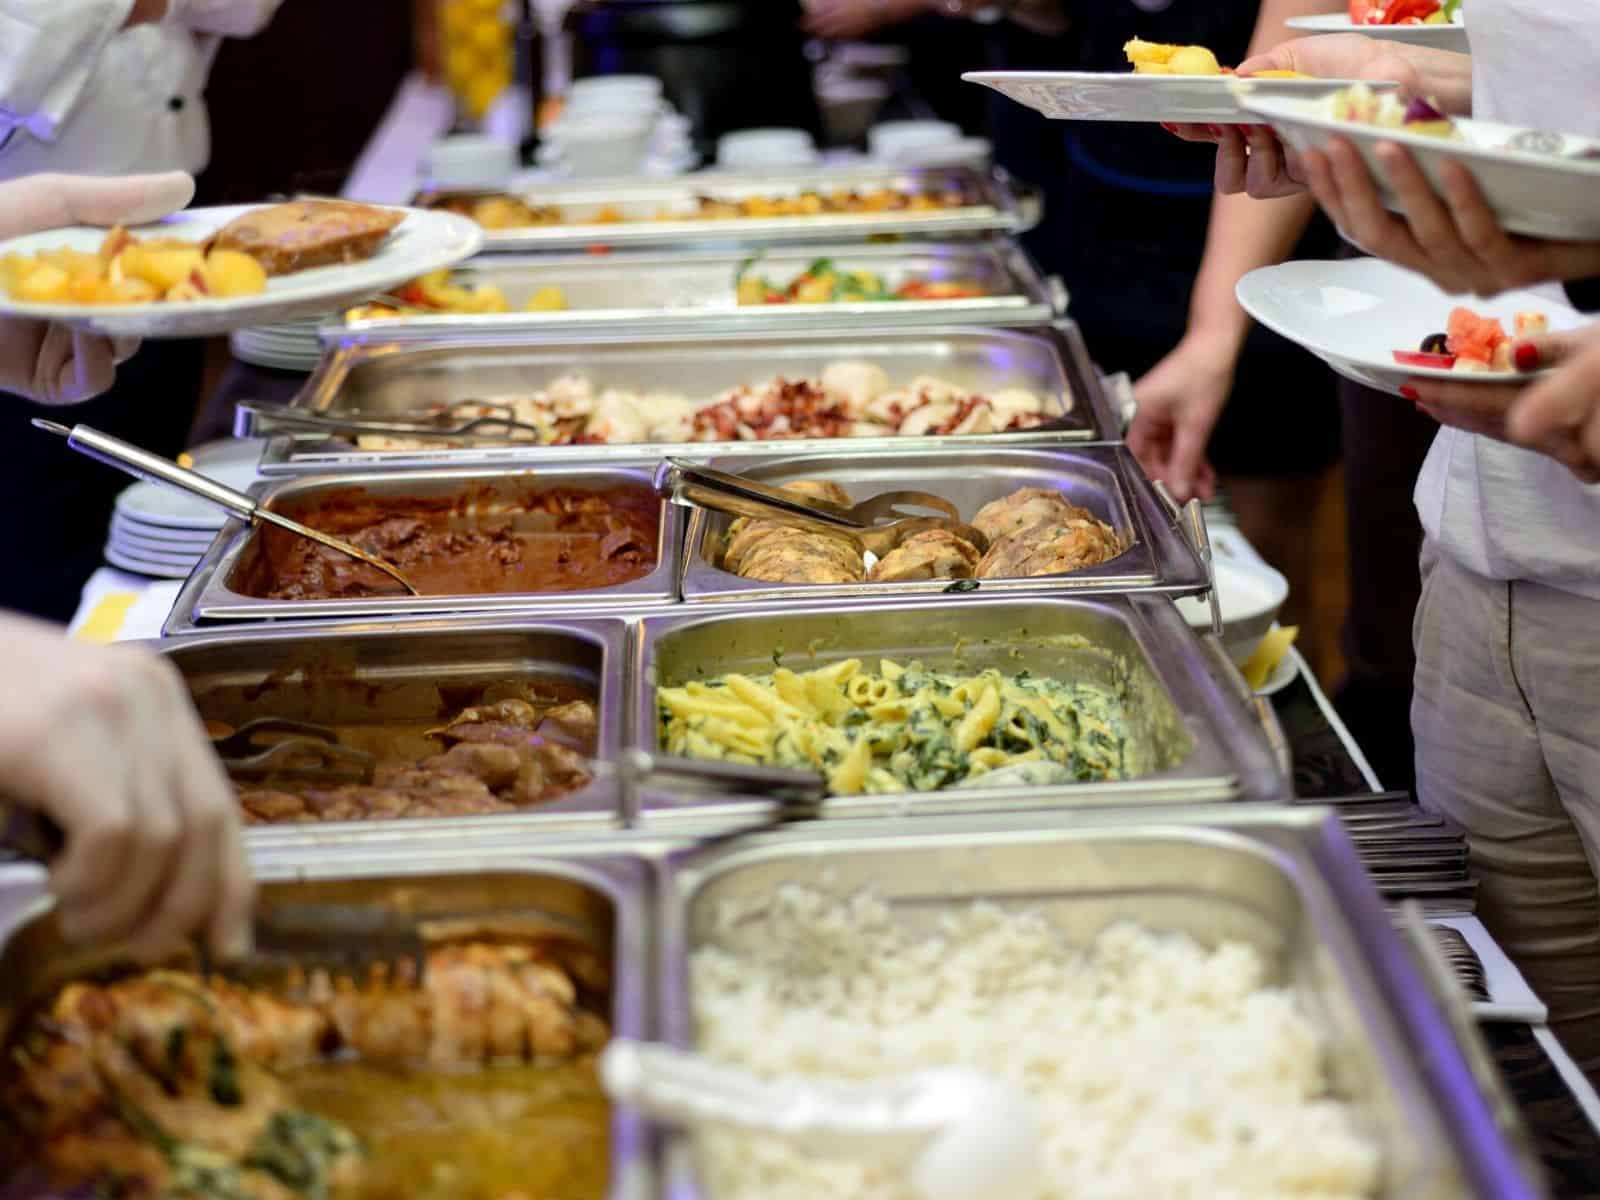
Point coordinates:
[(1507, 723)]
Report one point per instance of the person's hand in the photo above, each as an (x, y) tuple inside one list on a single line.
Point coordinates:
[(105, 742), (846, 19), (1179, 401), (1455, 240), (224, 18), (1557, 415), (1250, 158), (53, 364)]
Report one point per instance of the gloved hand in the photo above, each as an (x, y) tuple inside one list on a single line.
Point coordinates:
[(53, 364), (104, 741), (225, 18)]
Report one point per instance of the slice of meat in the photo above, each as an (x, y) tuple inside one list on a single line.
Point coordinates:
[(285, 238), (931, 554), (1050, 548), (804, 558)]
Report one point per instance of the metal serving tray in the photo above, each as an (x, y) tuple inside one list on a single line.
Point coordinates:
[(388, 380), (337, 673), (1285, 881), (210, 596), (1104, 479), (1192, 714), (603, 900), (993, 206), (653, 293)]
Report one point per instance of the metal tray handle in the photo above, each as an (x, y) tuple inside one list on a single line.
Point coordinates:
[(1457, 1008), (1190, 520)]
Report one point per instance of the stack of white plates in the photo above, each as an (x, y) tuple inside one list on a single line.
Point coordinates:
[(157, 530), (292, 346)]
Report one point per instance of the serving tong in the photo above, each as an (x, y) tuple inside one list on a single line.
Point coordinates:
[(877, 524), (443, 424), (246, 756), (143, 465)]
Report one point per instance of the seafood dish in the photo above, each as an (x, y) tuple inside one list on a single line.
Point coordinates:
[(167, 1083), (1474, 343), (849, 399), (508, 754), (824, 283), (1031, 532), (546, 540), (902, 727), (511, 212)]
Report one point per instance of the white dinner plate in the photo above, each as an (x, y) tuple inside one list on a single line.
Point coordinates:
[(1356, 313), (1126, 96), (144, 566), (1452, 36), (232, 462), (425, 241), (161, 538), (1542, 188)]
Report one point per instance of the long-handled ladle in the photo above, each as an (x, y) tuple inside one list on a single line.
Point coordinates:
[(144, 465)]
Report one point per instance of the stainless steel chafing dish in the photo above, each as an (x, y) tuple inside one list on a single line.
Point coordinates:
[(333, 674), (993, 204), (1191, 714), (210, 595), (1285, 881), (604, 900), (1104, 479), (692, 291), (387, 380)]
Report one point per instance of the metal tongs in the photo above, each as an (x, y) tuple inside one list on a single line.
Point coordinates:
[(955, 1134), (443, 424), (289, 938), (877, 524), (246, 756), (143, 465)]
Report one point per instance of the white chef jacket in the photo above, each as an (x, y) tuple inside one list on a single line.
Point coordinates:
[(1498, 510), (80, 94)]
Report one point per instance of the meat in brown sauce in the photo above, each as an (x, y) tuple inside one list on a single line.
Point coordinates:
[(555, 540)]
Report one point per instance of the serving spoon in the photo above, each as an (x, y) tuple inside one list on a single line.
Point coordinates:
[(143, 465), (956, 1134)]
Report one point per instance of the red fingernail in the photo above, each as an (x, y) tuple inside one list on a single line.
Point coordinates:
[(1527, 356), (1411, 394)]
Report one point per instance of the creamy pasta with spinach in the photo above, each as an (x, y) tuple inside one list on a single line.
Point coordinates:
[(899, 728)]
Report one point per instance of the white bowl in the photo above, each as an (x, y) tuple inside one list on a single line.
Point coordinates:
[(891, 138), (752, 148), (596, 147), (644, 89), (470, 161), (963, 152), (1250, 595)]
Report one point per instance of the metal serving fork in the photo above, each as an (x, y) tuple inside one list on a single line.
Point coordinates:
[(444, 425)]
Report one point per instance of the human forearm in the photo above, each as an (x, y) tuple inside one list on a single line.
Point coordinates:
[(1244, 234)]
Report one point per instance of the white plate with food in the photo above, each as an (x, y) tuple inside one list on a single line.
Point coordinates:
[(1537, 182), (1436, 34), (1206, 99), (210, 271), (1250, 595), (1387, 324)]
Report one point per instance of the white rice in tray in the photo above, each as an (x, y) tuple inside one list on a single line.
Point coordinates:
[(1159, 1070)]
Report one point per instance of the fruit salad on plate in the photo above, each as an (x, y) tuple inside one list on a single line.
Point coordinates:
[(1359, 104), (1473, 343), (1405, 12), (1159, 58)]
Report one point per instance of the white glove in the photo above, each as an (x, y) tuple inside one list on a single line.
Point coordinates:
[(53, 364), (104, 741), (225, 18)]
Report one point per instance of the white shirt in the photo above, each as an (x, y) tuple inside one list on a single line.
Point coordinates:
[(80, 94), (1500, 511)]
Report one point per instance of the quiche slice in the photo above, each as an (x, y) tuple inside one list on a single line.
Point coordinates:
[(302, 234)]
